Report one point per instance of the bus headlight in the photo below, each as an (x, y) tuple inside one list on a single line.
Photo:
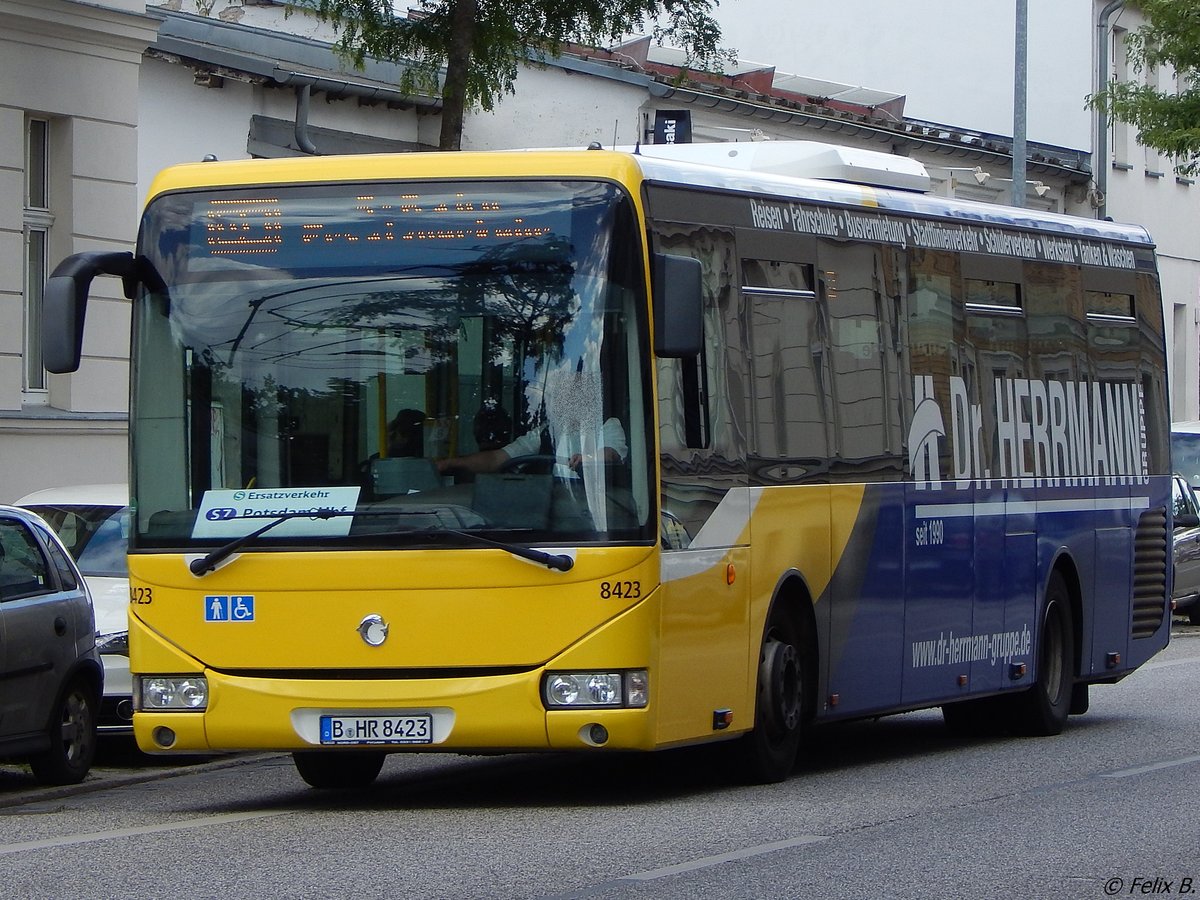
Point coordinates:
[(159, 693), (589, 690)]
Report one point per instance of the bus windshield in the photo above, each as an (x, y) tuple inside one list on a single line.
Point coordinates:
[(353, 346)]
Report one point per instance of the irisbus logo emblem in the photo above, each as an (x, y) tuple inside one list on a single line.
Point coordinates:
[(373, 630)]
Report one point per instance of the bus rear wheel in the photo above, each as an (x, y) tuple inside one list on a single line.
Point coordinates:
[(768, 753), (1043, 709), (338, 770)]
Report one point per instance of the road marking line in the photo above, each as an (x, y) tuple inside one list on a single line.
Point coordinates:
[(705, 862), (1153, 767), (70, 839)]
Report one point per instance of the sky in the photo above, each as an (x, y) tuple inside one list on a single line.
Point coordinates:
[(954, 60)]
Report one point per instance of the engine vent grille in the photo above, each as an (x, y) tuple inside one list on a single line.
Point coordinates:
[(1150, 561)]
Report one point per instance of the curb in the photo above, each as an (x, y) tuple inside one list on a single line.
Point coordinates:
[(105, 777)]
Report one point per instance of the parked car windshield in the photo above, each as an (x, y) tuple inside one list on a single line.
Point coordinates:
[(1185, 453), (97, 537)]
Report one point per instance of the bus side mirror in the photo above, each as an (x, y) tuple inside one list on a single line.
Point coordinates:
[(64, 304), (678, 298)]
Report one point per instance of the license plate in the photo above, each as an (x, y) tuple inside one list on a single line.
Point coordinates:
[(382, 729)]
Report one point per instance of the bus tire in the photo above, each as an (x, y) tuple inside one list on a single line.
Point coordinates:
[(330, 770), (768, 752), (1042, 710)]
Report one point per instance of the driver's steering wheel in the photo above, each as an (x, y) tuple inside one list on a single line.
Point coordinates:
[(530, 464)]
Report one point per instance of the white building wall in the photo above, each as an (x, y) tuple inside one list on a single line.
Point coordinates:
[(1142, 186), (76, 65), (182, 122), (555, 108)]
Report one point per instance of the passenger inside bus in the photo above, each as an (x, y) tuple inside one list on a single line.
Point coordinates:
[(406, 433)]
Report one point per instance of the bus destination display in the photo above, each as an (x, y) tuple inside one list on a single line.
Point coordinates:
[(286, 231)]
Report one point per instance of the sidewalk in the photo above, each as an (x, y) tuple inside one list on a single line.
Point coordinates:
[(118, 762)]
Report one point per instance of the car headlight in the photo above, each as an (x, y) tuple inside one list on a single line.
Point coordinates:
[(117, 642), (165, 693), (629, 689)]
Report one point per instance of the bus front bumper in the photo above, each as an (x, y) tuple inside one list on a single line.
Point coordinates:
[(492, 713)]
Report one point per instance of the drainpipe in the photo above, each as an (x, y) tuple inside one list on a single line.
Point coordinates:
[(1102, 164), (303, 141)]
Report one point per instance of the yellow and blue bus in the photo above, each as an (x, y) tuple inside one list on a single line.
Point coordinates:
[(596, 450)]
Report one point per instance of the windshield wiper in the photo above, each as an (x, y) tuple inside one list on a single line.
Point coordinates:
[(559, 561), (210, 561)]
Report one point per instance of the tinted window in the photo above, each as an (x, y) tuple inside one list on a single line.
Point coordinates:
[(66, 575), (96, 536), (23, 568)]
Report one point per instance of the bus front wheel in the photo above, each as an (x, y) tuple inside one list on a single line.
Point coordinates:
[(768, 753), (338, 770)]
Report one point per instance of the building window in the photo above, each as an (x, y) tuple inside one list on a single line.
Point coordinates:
[(1120, 130), (37, 222)]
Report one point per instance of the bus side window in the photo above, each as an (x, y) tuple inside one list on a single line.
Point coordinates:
[(790, 410), (860, 304)]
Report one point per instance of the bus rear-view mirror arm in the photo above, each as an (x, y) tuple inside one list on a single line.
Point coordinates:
[(64, 303), (677, 306)]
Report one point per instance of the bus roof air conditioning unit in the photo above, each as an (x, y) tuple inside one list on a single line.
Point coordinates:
[(804, 159)]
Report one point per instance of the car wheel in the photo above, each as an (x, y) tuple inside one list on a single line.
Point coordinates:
[(338, 770), (72, 734)]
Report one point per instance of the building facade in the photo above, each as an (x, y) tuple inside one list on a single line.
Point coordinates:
[(96, 97), (68, 182)]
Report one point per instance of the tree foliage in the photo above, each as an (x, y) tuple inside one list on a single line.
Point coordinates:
[(1166, 121), (481, 44)]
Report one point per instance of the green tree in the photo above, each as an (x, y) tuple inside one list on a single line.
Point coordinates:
[(483, 43), (1166, 121)]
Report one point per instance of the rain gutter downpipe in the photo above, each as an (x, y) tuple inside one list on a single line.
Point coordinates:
[(1102, 164), (303, 141)]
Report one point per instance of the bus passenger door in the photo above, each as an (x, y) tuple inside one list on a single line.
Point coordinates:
[(996, 365), (940, 508), (706, 504)]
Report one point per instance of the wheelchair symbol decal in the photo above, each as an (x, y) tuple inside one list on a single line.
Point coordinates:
[(232, 608)]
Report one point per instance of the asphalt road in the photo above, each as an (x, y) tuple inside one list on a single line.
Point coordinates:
[(891, 808)]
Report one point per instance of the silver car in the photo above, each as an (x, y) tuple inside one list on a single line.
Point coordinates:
[(92, 520), (50, 673), (1186, 592)]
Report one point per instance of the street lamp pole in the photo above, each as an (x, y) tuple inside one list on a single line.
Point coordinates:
[(1020, 79)]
